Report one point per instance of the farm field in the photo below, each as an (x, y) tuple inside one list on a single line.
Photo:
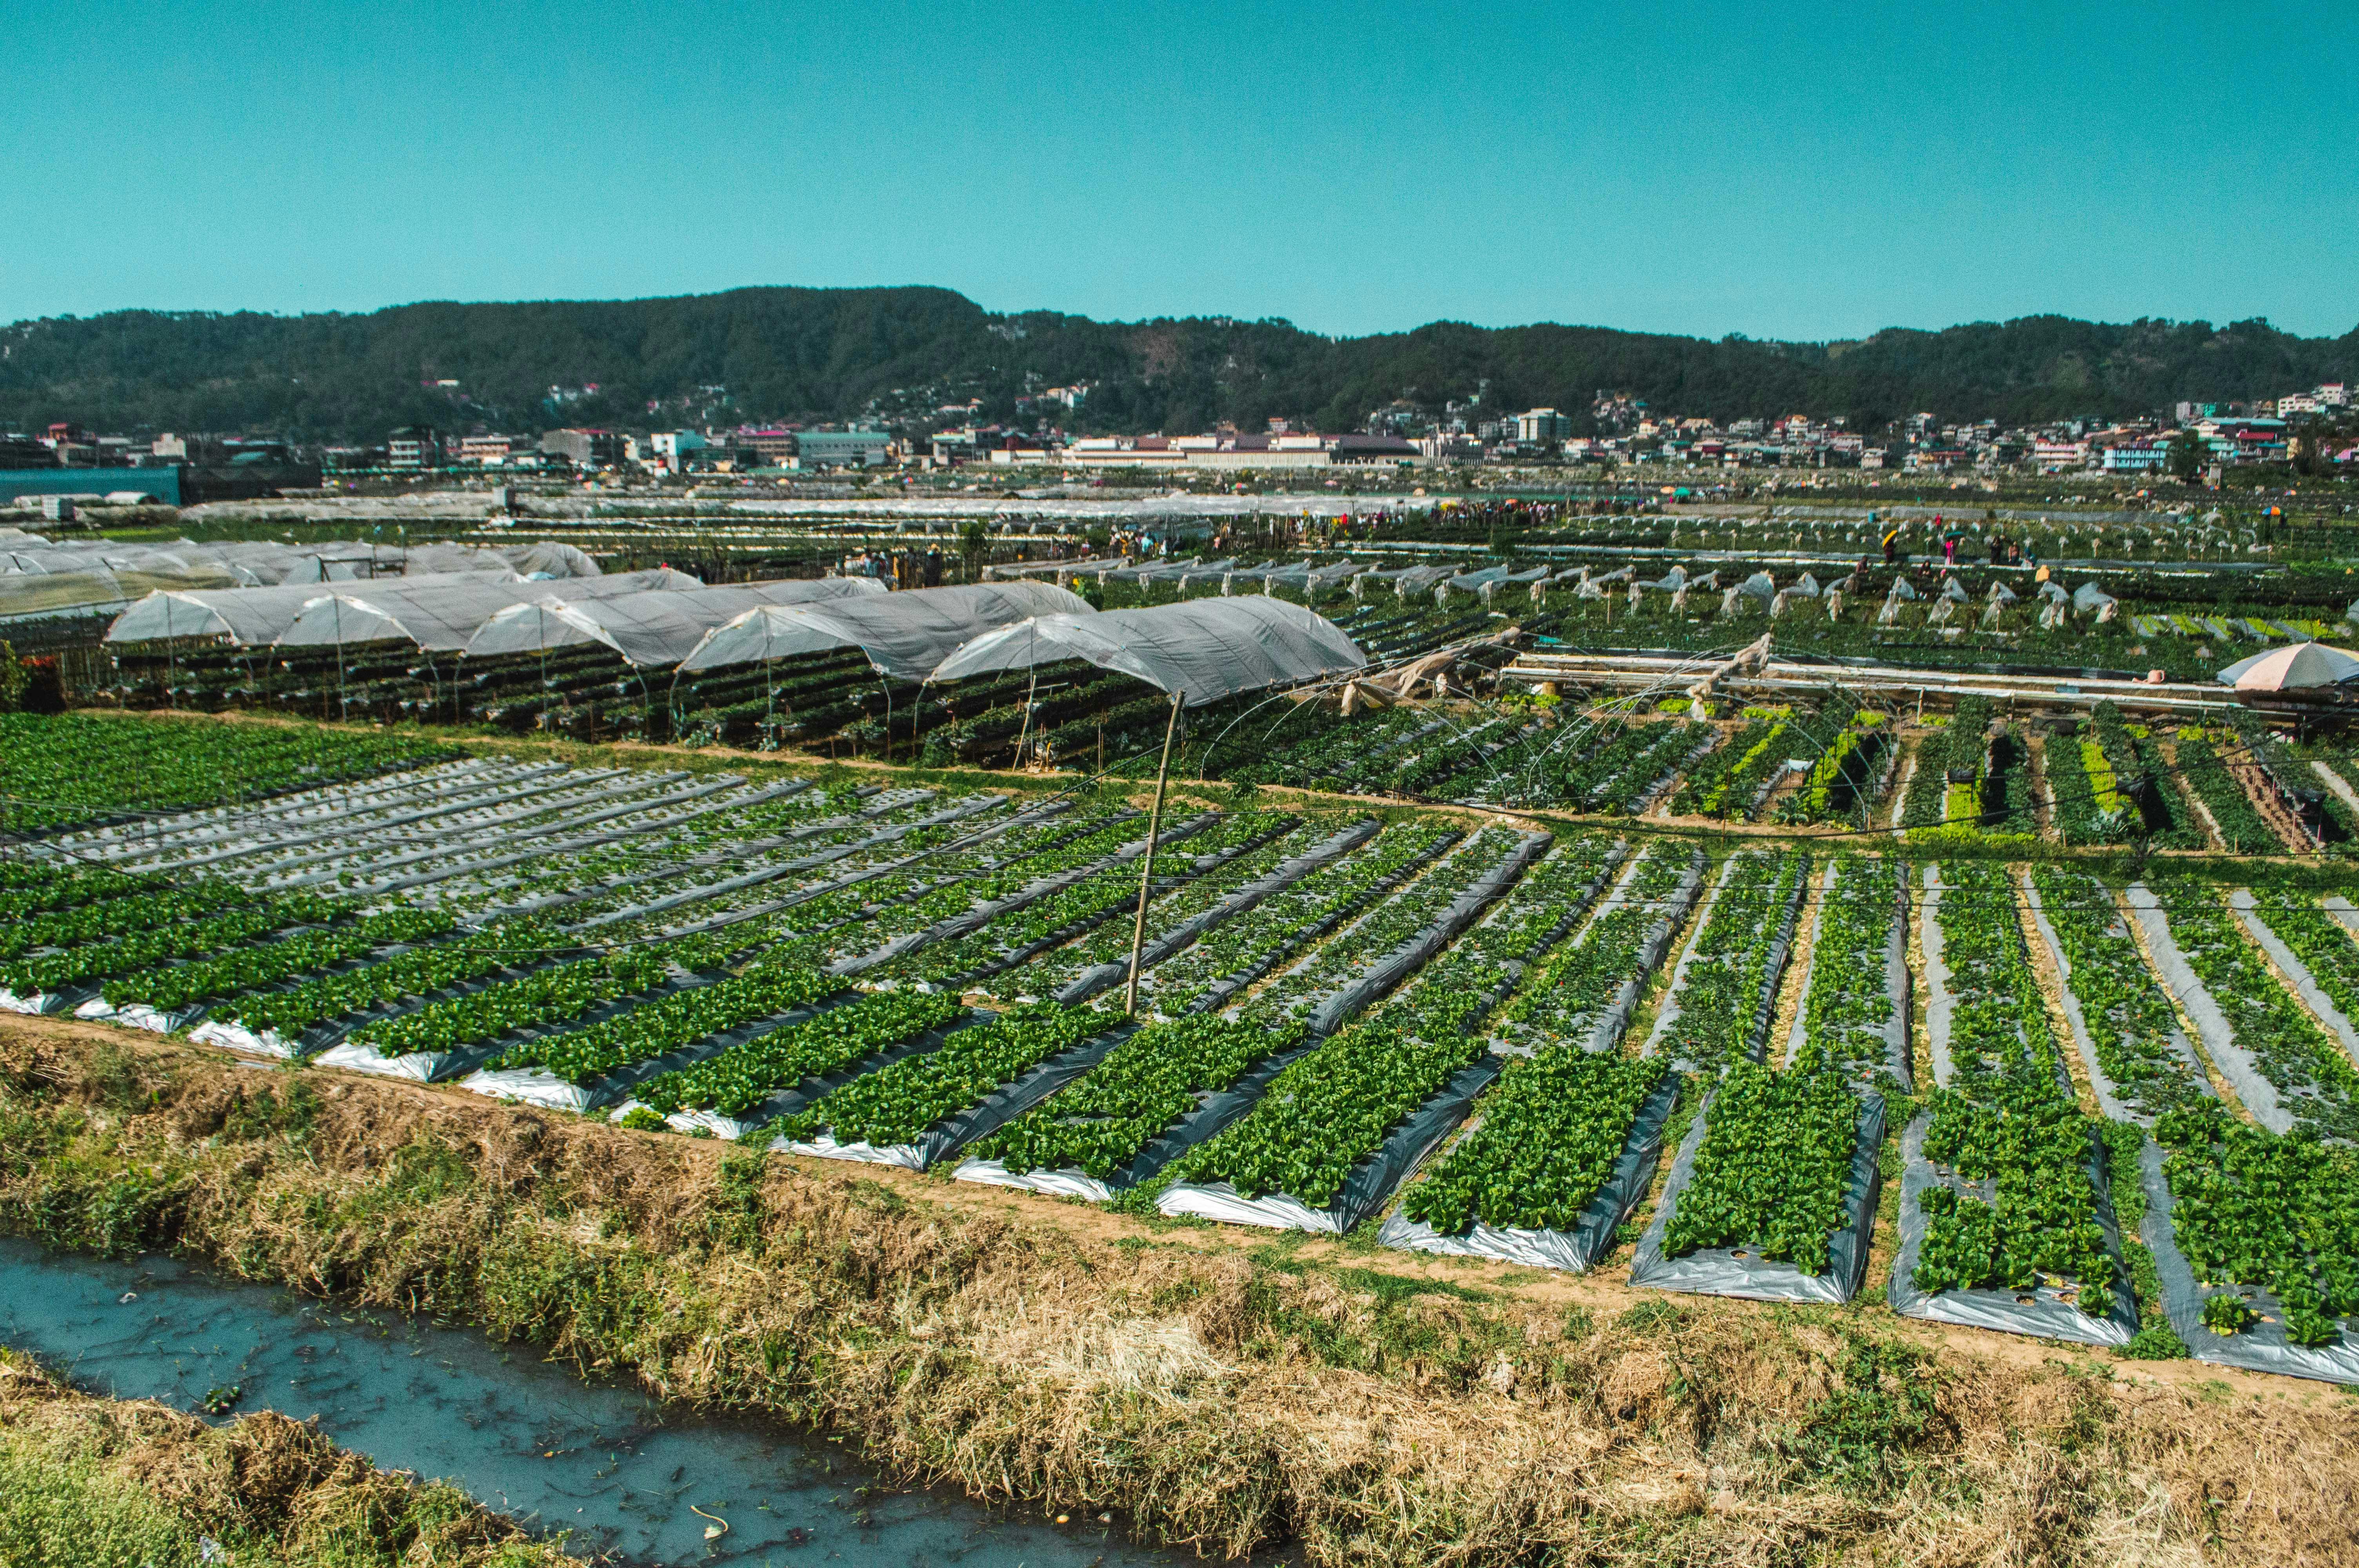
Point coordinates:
[(1960, 1074)]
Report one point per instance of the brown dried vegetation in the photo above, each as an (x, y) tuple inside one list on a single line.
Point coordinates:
[(1220, 1391)]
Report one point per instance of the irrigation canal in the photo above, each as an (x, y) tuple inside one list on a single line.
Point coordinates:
[(523, 1436)]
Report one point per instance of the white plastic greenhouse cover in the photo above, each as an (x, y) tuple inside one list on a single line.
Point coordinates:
[(1205, 649), (248, 616), (656, 627), (903, 634), (97, 591), (443, 615), (254, 616)]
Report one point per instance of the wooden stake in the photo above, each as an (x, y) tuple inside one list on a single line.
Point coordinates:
[(1147, 873)]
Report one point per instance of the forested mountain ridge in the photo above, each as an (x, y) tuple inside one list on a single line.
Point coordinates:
[(805, 353)]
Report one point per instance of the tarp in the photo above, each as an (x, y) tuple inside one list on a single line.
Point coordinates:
[(1203, 650), (656, 626), (903, 634), (444, 615), (2281, 669)]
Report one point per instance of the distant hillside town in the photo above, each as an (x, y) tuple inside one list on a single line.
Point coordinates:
[(2312, 429)]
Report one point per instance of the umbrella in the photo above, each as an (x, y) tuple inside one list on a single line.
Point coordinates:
[(2280, 669)]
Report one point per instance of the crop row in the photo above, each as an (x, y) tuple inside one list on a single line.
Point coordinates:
[(1850, 1004), (567, 991), (30, 887), (1947, 787), (1770, 1172), (61, 769), (2312, 1075), (418, 973), (1101, 1123), (1580, 979), (1330, 1110), (1707, 786), (145, 948), (242, 971), (1289, 917), (1110, 943), (896, 1104), (148, 904), (740, 1078), (2129, 1019), (1840, 786), (2241, 828), (2006, 1118), (671, 1022), (1380, 930), (1552, 1128), (1011, 934), (1735, 958), (2252, 1208), (1605, 766), (2324, 946)]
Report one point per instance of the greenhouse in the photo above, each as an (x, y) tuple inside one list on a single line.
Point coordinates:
[(903, 634), (255, 617), (1200, 650), (38, 578), (655, 626), (443, 615)]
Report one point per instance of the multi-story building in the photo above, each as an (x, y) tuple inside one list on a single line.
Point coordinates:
[(486, 450), (587, 447), (842, 448), (772, 447), (414, 446), (1537, 426)]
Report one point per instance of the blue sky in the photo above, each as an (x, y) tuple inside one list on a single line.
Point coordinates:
[(1789, 171)]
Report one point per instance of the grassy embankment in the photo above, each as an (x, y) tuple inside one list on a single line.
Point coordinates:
[(94, 1483), (1216, 1387)]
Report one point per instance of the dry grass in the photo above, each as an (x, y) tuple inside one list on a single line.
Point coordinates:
[(1220, 1391)]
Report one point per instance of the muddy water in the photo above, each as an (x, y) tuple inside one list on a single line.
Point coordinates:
[(529, 1439)]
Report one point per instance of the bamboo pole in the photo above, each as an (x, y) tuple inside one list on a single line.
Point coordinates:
[(1147, 873)]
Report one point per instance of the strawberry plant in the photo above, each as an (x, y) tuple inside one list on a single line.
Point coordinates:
[(2314, 1078), (418, 973), (1552, 1128), (1581, 979), (245, 969), (1724, 990), (896, 1104), (743, 1076), (1287, 919), (1771, 1171), (1100, 1123), (2007, 1119)]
